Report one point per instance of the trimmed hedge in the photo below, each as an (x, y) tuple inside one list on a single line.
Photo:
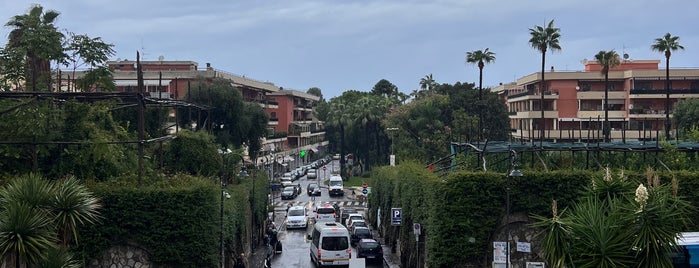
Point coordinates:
[(461, 213), (177, 220)]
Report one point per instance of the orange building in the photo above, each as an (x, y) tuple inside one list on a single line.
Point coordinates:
[(292, 127), (574, 101)]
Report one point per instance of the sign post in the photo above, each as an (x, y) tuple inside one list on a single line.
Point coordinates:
[(396, 216), (417, 229), (364, 189)]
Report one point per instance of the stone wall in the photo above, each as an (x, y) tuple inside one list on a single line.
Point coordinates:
[(125, 256)]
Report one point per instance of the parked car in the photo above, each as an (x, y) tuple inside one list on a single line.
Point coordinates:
[(286, 181), (297, 217), (312, 174), (289, 192), (313, 189), (353, 217), (369, 249), (359, 233), (357, 223), (344, 214), (288, 175)]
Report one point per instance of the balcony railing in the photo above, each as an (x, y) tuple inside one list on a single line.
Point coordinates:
[(662, 91)]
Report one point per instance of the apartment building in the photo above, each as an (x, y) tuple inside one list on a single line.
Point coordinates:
[(292, 126), (574, 101)]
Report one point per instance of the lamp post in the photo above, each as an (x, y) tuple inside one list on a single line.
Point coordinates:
[(392, 158), (514, 173)]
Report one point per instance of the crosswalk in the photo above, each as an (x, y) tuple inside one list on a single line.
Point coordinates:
[(283, 204)]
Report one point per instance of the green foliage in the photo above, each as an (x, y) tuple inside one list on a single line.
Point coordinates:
[(614, 224), (38, 217), (193, 153), (686, 114), (177, 220)]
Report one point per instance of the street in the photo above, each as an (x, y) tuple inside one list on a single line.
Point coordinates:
[(296, 247)]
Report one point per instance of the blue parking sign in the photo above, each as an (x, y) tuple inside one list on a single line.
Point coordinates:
[(396, 216)]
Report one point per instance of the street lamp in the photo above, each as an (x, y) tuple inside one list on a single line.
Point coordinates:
[(392, 158), (514, 173)]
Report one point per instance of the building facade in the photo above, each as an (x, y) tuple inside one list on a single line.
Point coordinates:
[(292, 127), (574, 102)]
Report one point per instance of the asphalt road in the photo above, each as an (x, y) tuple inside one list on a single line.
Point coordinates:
[(296, 246)]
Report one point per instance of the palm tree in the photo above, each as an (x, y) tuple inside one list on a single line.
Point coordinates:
[(608, 60), (35, 33), (480, 57), (26, 229), (73, 205), (339, 116), (667, 44), (427, 82), (543, 39)]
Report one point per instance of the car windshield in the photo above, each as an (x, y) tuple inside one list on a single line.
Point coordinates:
[(326, 211), (312, 186), (296, 212), (361, 231), (369, 244), (335, 243), (335, 183), (359, 223)]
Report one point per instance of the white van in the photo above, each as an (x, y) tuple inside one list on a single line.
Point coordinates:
[(335, 186), (330, 244)]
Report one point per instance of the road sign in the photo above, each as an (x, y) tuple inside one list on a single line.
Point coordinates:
[(324, 168), (365, 191), (396, 216), (364, 185)]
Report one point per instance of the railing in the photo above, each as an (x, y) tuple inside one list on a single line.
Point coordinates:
[(662, 91)]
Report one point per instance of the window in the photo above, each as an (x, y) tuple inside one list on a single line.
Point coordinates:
[(585, 86), (694, 85), (335, 243), (643, 85)]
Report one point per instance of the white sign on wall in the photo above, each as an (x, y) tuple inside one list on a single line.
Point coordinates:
[(499, 249), (524, 247)]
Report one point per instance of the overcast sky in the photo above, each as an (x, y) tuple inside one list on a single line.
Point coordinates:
[(339, 45)]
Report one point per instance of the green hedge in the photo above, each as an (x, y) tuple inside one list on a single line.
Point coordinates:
[(460, 213), (177, 220)]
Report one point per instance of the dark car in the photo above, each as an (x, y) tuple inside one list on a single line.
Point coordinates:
[(289, 192), (344, 214), (313, 189), (360, 233), (370, 249)]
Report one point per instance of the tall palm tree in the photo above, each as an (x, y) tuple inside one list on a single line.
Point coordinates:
[(543, 39), (339, 116), (667, 44), (35, 33), (608, 60), (480, 57)]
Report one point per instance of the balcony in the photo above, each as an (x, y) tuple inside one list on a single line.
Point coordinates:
[(660, 93), (548, 95), (594, 134), (535, 114), (638, 113), (600, 114), (599, 95)]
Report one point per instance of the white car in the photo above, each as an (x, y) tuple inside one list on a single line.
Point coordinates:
[(297, 217), (312, 174)]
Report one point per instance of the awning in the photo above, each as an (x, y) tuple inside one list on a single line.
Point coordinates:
[(315, 150), (288, 159)]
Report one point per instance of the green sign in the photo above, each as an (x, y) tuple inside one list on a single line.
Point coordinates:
[(302, 153)]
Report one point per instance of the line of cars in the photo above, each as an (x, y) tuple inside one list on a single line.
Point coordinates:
[(333, 235)]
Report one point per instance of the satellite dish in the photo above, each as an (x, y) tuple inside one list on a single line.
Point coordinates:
[(626, 56), (161, 58)]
